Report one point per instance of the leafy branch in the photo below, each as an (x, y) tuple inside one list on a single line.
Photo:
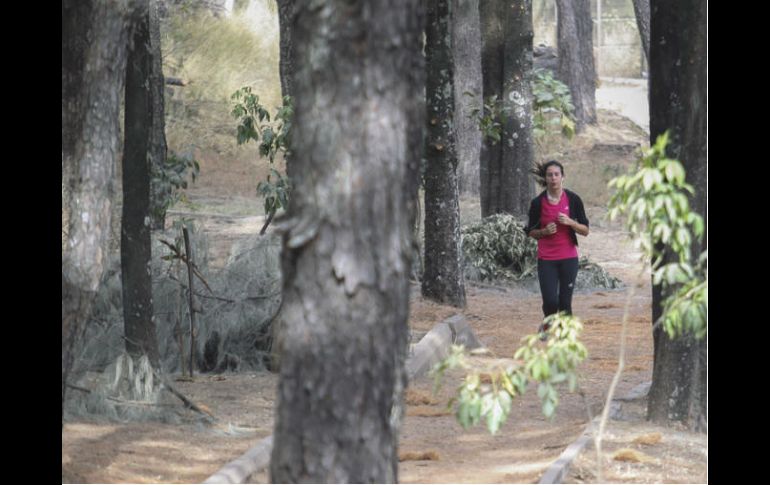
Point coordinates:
[(654, 200), (488, 395), (273, 138)]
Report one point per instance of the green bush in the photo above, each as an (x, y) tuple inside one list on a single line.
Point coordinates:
[(498, 248)]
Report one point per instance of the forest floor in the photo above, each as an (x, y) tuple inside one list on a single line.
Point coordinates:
[(95, 450)]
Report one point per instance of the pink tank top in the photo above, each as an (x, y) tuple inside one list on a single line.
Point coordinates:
[(559, 245)]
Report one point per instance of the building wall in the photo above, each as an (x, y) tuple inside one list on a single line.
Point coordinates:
[(617, 46)]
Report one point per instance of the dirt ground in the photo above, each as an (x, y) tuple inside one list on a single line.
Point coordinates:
[(96, 451)]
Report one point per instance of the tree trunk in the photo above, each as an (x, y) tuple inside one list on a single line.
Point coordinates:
[(576, 58), (135, 253), (443, 277), (347, 234), (286, 64), (678, 102), (466, 36), (506, 29), (642, 13), (157, 150), (518, 150), (94, 37), (491, 15)]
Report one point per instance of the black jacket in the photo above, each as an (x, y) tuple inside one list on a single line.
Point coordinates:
[(576, 211)]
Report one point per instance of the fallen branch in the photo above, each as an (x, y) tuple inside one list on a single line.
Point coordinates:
[(124, 402), (187, 402)]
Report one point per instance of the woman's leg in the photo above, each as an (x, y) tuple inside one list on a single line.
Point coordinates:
[(568, 269), (548, 275)]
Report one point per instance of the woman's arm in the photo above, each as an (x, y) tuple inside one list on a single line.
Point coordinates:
[(581, 229)]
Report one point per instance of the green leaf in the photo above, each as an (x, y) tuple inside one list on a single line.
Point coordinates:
[(495, 416), (548, 408)]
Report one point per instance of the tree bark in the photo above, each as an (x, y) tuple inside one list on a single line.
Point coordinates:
[(518, 149), (135, 244), (158, 149), (346, 254), (506, 29), (678, 102), (286, 63), (94, 38), (491, 15), (466, 38), (443, 277), (642, 13), (576, 58)]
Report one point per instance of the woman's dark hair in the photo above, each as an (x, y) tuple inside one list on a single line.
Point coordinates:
[(539, 171)]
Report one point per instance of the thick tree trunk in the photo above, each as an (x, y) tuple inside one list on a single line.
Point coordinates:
[(94, 38), (443, 277), (678, 102), (642, 13), (466, 36), (506, 29), (157, 150), (347, 248), (135, 253), (576, 58), (518, 150), (491, 15)]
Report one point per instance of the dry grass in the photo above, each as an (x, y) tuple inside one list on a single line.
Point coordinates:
[(631, 455), (418, 456), (427, 411), (415, 397), (648, 439)]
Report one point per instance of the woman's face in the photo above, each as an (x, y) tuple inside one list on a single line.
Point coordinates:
[(553, 177)]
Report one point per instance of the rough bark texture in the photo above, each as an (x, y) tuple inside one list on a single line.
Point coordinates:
[(678, 102), (518, 149), (286, 64), (443, 277), (642, 13), (94, 37), (576, 58), (158, 149), (135, 253), (492, 14), (506, 30), (466, 39), (347, 240)]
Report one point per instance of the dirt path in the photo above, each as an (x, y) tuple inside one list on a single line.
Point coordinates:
[(190, 452)]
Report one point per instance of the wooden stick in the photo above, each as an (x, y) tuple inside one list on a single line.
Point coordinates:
[(188, 251), (182, 397)]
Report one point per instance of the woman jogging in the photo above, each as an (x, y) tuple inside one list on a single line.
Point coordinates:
[(556, 215)]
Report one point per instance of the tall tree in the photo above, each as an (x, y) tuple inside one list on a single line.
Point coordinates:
[(576, 58), (466, 40), (135, 244), (642, 13), (443, 277), (94, 39), (678, 101), (347, 240), (506, 31), (491, 16), (157, 149), (518, 147)]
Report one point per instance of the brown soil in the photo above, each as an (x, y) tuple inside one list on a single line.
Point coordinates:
[(433, 446)]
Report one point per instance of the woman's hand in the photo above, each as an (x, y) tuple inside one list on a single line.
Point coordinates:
[(550, 229), (563, 219)]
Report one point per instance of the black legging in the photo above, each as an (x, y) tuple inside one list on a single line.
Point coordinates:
[(557, 281)]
